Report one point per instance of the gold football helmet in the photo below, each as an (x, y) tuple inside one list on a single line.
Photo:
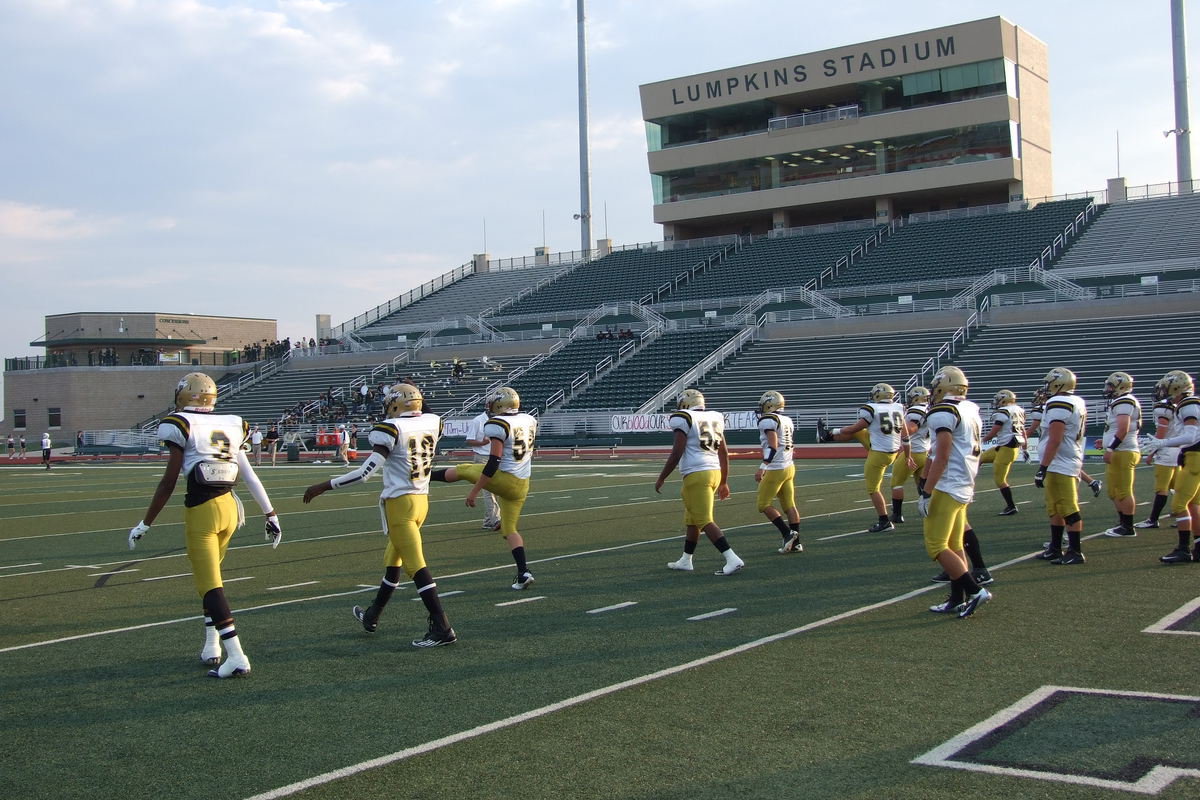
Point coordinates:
[(195, 392), (883, 393), (1004, 397), (403, 398), (504, 400), (770, 402), (918, 396), (689, 398), (1117, 384), (1059, 380), (1039, 397), (949, 381), (1177, 384)]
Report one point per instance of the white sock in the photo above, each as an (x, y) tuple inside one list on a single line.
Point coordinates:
[(233, 647)]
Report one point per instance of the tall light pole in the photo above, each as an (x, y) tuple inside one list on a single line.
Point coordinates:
[(585, 169), (1183, 134)]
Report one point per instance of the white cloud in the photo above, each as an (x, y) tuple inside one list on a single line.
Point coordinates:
[(38, 223)]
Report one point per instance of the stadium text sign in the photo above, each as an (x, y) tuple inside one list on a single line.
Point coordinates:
[(856, 62)]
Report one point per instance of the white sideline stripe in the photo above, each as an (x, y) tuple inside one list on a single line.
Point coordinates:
[(165, 577), (579, 699), (444, 594), (1153, 782), (114, 572), (711, 614), (235, 580), (456, 500), (291, 585), (626, 604), (1164, 624), (522, 600), (18, 566)]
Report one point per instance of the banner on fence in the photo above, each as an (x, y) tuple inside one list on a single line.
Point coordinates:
[(647, 423)]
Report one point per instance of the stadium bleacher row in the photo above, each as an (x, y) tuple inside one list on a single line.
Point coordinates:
[(815, 372)]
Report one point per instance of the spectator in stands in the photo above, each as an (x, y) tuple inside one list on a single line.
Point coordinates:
[(343, 445), (459, 370), (256, 440), (273, 441)]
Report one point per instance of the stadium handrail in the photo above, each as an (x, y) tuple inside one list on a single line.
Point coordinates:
[(948, 348), (701, 368)]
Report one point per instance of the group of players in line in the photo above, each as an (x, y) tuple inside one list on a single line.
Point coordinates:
[(937, 440)]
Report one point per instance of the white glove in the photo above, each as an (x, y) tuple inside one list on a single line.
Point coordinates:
[(1153, 446), (923, 506), (136, 533), (273, 530)]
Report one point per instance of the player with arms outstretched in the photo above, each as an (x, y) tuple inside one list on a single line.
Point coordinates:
[(402, 446), (208, 449), (698, 449), (511, 434), (883, 417)]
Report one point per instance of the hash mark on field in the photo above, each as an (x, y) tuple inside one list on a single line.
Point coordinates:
[(114, 572), (712, 614), (445, 594), (522, 600), (815, 500), (83, 566), (291, 585), (165, 577), (562, 497), (626, 604)]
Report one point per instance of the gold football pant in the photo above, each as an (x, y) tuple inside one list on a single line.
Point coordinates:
[(1118, 473), (777, 484), (901, 473), (510, 492), (208, 528), (1164, 478), (402, 520), (944, 526), (1002, 458), (1061, 498), (1187, 485), (699, 491), (876, 464)]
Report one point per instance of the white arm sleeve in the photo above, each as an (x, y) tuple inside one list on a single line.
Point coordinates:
[(368, 468), (1189, 437), (253, 483)]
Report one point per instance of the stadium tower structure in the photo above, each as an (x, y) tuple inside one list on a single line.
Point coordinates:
[(945, 118)]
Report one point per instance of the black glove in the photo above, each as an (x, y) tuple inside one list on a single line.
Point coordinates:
[(1039, 478), (823, 434)]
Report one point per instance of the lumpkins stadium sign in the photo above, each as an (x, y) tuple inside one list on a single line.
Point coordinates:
[(857, 64)]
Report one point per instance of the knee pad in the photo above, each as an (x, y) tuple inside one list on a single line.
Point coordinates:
[(1073, 517)]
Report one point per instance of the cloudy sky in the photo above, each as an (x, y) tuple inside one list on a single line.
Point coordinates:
[(284, 158)]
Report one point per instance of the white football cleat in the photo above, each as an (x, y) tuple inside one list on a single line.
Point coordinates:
[(211, 653), (732, 565), (234, 667), (684, 564)]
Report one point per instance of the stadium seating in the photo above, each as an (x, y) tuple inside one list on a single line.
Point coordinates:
[(772, 264), (558, 371), (820, 372), (468, 296), (1140, 231), (651, 369), (1017, 357), (966, 247), (625, 275)]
